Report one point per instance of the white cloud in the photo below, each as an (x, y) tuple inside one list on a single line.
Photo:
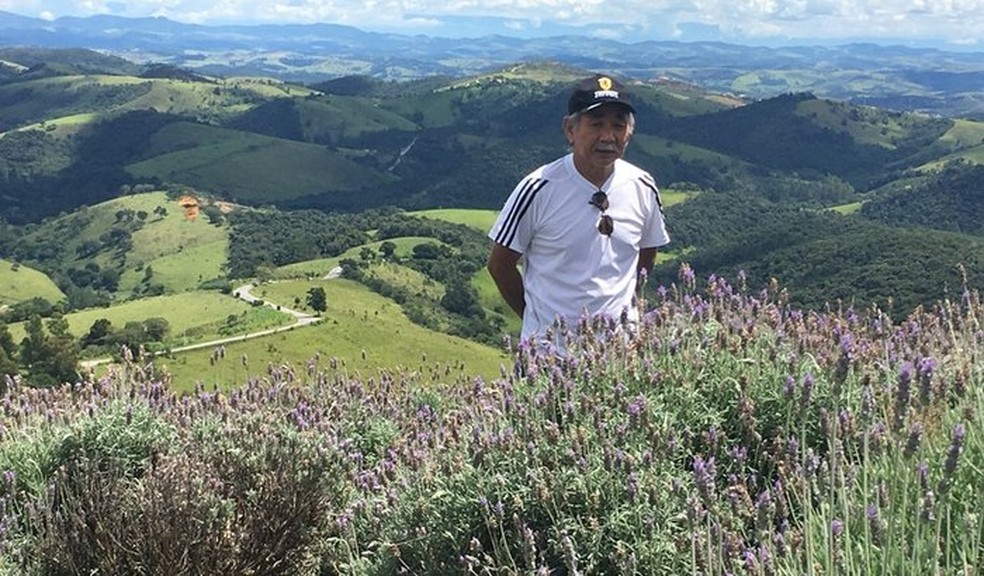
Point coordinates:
[(958, 20)]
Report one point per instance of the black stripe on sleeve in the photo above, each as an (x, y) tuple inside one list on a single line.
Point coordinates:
[(649, 182), (523, 201)]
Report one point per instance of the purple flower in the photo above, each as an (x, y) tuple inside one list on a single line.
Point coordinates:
[(903, 389), (807, 396), (704, 473), (927, 514), (790, 388), (926, 368), (874, 523), (953, 454), (915, 437), (836, 528), (923, 471)]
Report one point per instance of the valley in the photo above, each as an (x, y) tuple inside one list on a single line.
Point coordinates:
[(396, 184)]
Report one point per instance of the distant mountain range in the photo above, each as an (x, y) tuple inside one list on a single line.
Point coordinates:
[(895, 77)]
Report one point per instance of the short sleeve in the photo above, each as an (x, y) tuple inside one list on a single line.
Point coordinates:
[(513, 227), (654, 232)]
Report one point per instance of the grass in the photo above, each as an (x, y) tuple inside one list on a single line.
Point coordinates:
[(71, 102), (19, 283), (851, 208), (662, 147), (965, 140), (192, 316), (734, 436), (347, 117), (322, 266), (366, 334), (249, 167), (182, 271), (478, 219), (155, 238)]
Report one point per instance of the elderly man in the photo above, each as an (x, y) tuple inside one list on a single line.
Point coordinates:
[(582, 227)]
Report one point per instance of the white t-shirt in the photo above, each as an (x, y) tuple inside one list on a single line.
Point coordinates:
[(570, 268)]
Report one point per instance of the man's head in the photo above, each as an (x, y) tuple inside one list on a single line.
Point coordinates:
[(598, 126), (595, 91)]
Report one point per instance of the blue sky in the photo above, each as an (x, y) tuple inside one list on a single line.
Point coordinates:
[(958, 24)]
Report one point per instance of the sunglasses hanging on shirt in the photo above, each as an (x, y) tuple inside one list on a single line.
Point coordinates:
[(600, 201)]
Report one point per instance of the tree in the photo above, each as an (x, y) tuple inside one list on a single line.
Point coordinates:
[(8, 353), (387, 249), (50, 356), (213, 213), (98, 333), (317, 299), (461, 298), (156, 329)]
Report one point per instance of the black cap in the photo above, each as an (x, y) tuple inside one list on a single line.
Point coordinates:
[(595, 91)]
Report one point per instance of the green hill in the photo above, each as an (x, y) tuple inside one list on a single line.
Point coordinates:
[(355, 144), (364, 333), (952, 199), (321, 176), (250, 168), (798, 132), (192, 317), (19, 283)]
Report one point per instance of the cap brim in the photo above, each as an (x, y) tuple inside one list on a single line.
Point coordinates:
[(604, 102)]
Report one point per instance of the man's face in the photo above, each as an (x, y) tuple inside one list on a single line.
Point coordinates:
[(600, 136)]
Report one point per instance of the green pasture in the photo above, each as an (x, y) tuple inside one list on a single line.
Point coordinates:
[(249, 167), (674, 197), (434, 109), (851, 208), (63, 126), (365, 332), (265, 87), (478, 219), (173, 96), (415, 282), (319, 268), (965, 139), (662, 147), (172, 234), (347, 117), (192, 316), (179, 250), (181, 271), (19, 283), (864, 125)]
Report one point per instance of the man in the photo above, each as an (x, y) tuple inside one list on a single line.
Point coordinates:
[(584, 226)]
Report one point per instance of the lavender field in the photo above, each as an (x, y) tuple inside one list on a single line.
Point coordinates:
[(734, 435)]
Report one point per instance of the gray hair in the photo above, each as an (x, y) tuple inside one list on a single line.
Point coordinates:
[(575, 118)]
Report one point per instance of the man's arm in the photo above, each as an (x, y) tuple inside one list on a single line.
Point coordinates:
[(647, 257), (503, 266)]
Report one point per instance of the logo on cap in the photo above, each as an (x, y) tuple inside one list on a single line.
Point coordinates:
[(606, 92), (595, 91)]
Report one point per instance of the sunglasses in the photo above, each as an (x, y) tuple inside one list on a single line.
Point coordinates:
[(600, 201)]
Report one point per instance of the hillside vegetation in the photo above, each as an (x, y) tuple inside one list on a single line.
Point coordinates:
[(19, 283), (394, 185), (734, 435)]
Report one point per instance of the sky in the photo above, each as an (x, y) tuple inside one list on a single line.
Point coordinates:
[(951, 23)]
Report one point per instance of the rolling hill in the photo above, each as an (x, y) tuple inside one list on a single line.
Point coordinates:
[(19, 283), (293, 182)]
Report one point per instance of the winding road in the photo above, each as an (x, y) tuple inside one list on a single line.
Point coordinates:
[(245, 293)]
